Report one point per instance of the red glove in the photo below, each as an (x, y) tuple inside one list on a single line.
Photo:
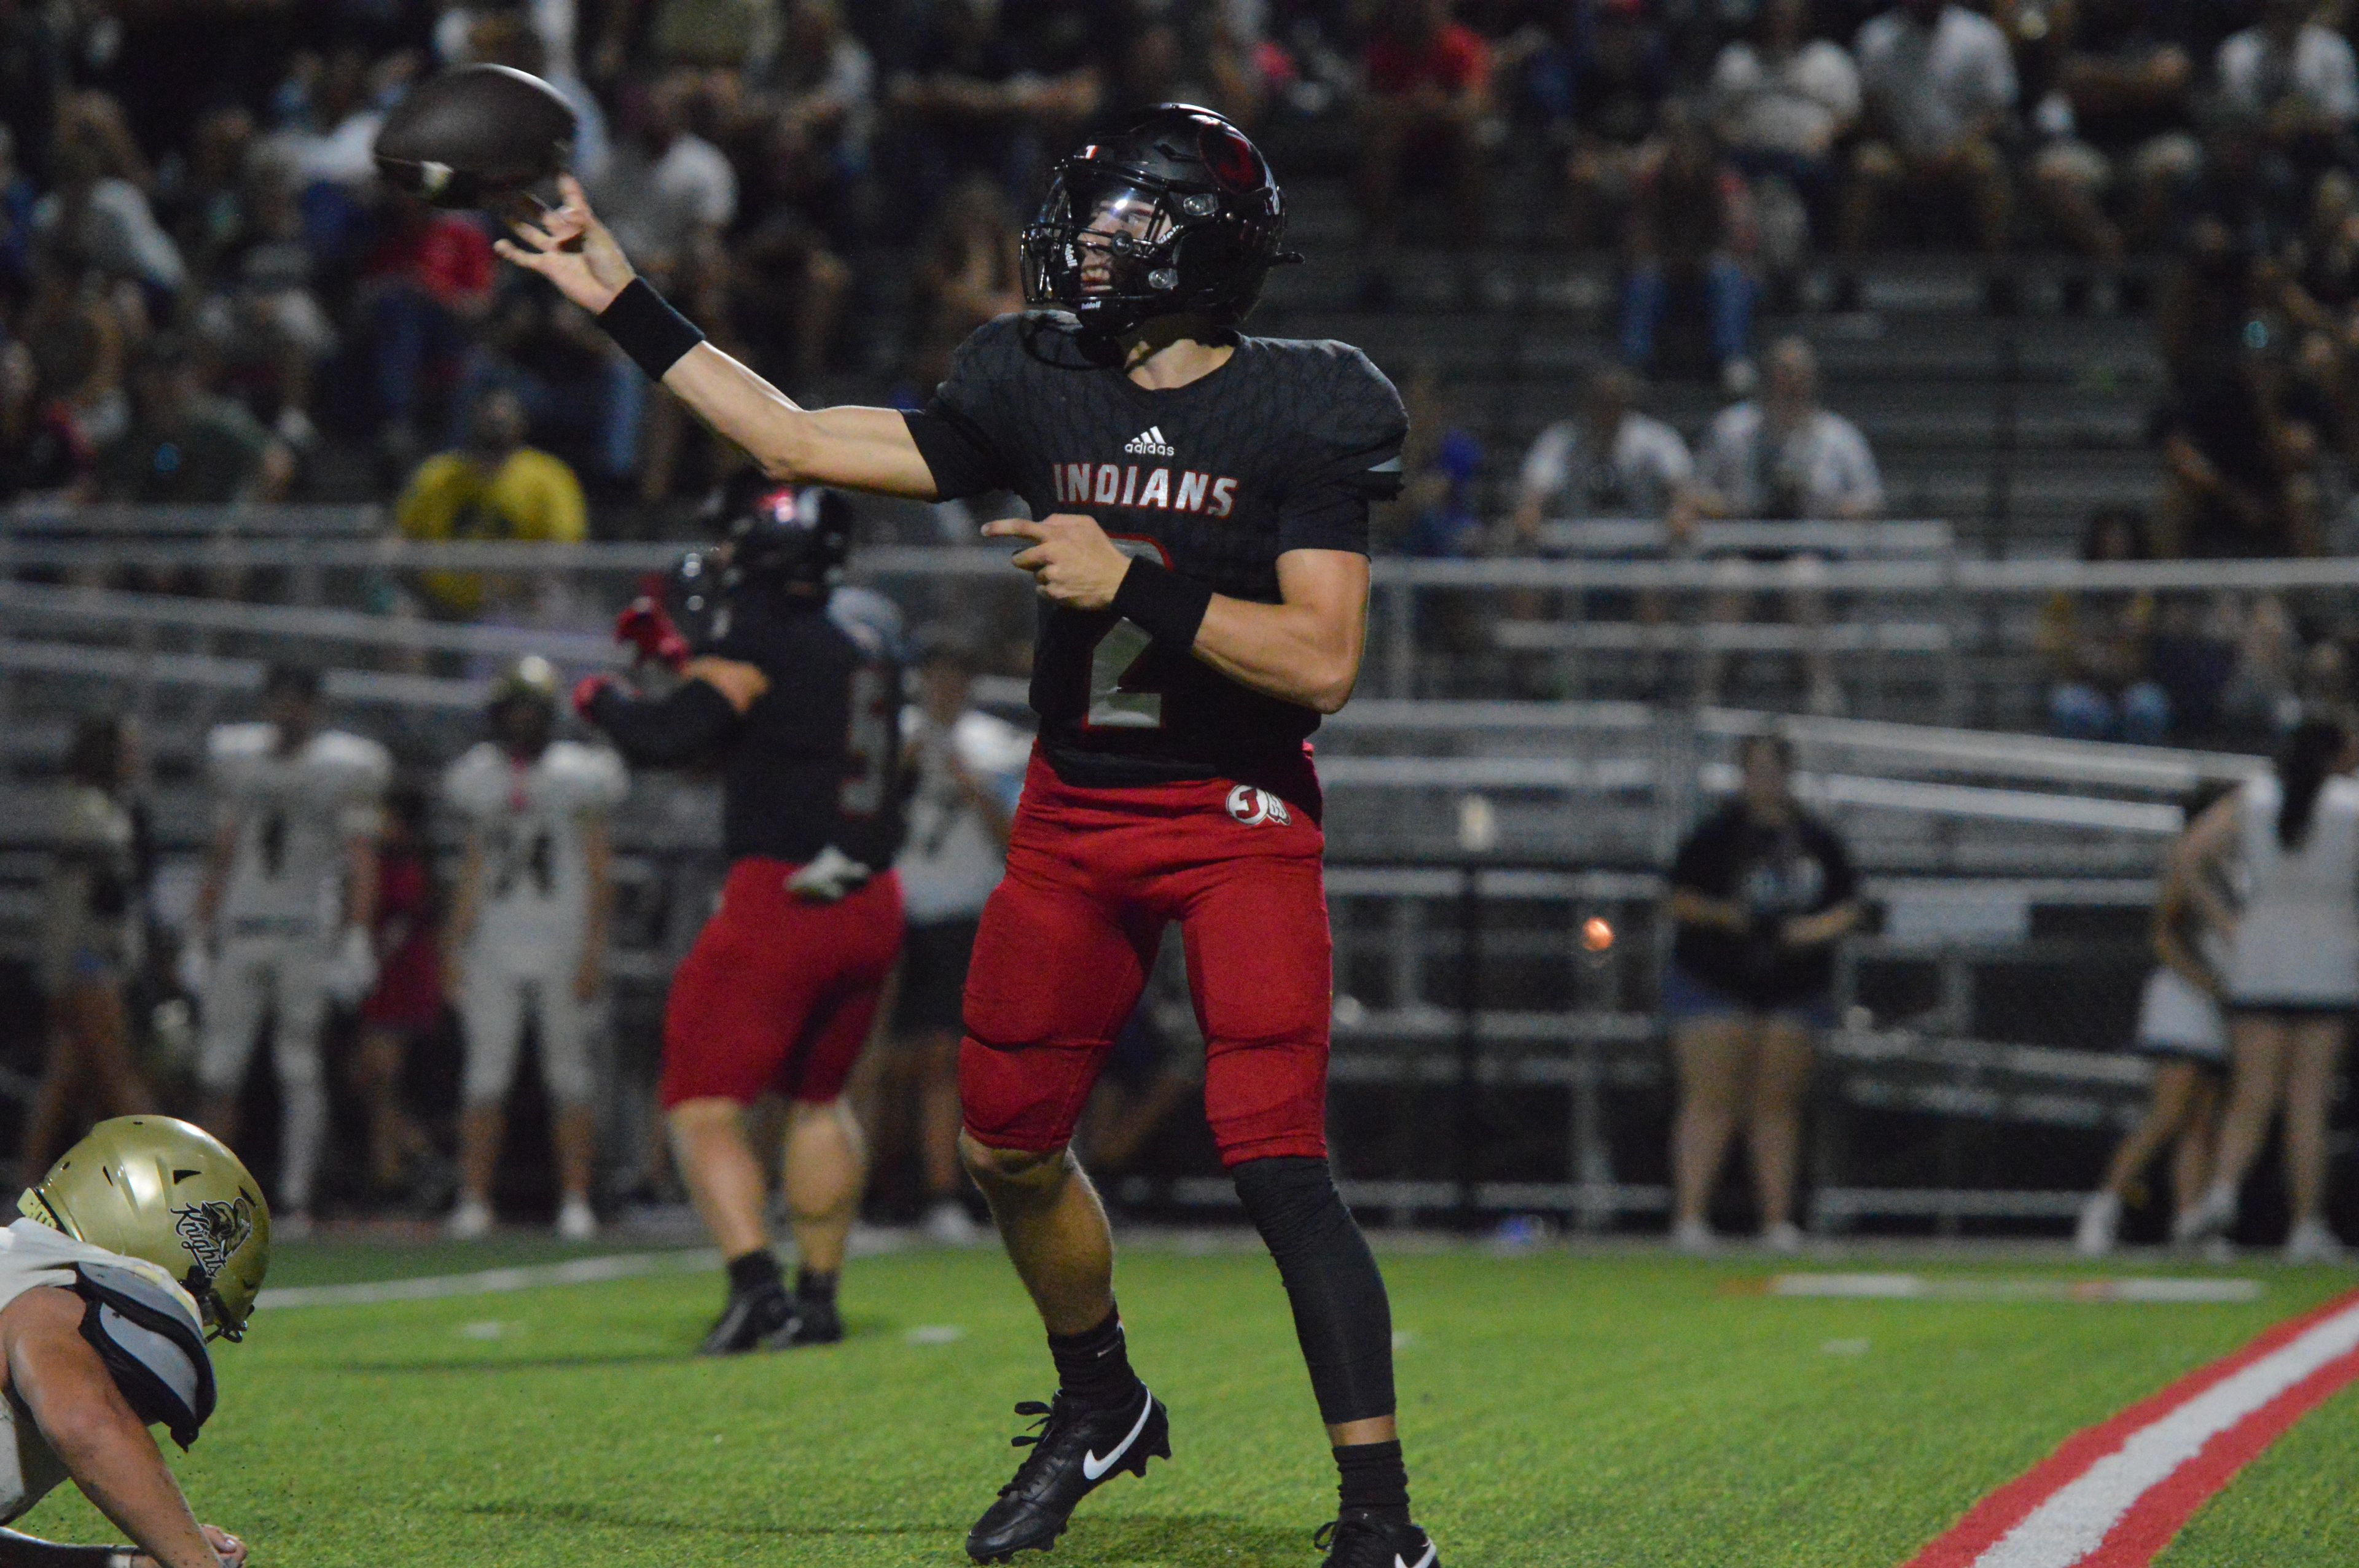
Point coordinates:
[(586, 690), (647, 626)]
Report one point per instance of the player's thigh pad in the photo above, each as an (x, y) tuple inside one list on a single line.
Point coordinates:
[(863, 933), (237, 992), (491, 1015), (1260, 967), (1055, 973), (302, 994), (736, 1001)]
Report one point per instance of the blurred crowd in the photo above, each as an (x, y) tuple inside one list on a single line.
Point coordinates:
[(207, 296), (195, 254)]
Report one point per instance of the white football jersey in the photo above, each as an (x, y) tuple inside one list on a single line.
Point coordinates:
[(31, 1255), (528, 818), (294, 815)]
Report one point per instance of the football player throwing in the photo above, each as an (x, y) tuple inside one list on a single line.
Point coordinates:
[(1199, 539)]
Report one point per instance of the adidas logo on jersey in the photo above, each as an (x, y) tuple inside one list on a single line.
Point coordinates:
[(1150, 443)]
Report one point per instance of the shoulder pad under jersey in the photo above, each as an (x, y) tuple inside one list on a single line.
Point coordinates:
[(582, 778), (148, 1333), (477, 783), (346, 767), (237, 756), (1351, 416)]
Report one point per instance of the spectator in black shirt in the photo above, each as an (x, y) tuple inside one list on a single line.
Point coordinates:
[(1760, 894)]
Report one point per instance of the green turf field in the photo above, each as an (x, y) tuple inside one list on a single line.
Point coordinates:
[(1561, 1408)]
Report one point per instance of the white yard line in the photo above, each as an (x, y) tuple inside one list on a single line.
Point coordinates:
[(494, 1281), (1931, 1287)]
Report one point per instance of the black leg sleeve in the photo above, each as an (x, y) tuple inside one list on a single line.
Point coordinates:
[(1341, 1314)]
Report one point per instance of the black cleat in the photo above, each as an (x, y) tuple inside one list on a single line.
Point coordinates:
[(1075, 1450), (813, 1323), (1356, 1541), (750, 1318)]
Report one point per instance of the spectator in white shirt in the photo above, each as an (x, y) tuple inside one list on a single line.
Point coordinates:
[(969, 768), (1939, 84), (669, 193), (1782, 100), (1608, 462), (1785, 459), (2295, 76)]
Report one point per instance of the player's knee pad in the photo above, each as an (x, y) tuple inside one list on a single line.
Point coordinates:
[(1266, 1099), (565, 1029), (1026, 1099), (1341, 1312)]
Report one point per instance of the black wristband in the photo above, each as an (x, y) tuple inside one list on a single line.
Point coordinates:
[(644, 326), (1167, 606)]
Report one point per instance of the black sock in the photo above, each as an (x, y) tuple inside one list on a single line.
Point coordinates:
[(752, 1272), (1093, 1365), (1375, 1481), (810, 1285)]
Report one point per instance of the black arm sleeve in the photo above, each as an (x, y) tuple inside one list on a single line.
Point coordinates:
[(19, 1551), (679, 728)]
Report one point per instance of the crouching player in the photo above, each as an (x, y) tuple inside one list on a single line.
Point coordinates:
[(798, 703), (147, 1239)]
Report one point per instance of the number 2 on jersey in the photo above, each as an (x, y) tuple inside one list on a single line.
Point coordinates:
[(1112, 705)]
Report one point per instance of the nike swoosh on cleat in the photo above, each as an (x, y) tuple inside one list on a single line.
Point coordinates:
[(1425, 1562), (1095, 1468)]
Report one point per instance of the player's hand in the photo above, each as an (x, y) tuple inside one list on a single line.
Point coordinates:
[(647, 626), (227, 1547), (1071, 561), (569, 246)]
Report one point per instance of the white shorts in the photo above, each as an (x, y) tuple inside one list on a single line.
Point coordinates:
[(493, 996), (282, 976), (2175, 1019)]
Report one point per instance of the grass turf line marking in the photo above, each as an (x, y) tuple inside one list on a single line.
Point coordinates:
[(2114, 1494), (1924, 1287), (493, 1282)]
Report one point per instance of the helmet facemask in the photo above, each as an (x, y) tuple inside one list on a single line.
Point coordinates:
[(1115, 248)]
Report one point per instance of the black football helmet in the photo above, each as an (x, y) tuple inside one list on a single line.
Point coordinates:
[(794, 535), (1178, 215)]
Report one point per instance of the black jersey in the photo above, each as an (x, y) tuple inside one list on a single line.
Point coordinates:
[(816, 759), (1280, 448)]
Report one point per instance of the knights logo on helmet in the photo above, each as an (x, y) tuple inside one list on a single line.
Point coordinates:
[(1178, 215), (169, 1193)]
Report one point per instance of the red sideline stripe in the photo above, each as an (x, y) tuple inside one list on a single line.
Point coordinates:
[(2169, 1505), (2157, 1517)]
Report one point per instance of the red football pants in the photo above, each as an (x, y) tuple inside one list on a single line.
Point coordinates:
[(1068, 936), (779, 991)]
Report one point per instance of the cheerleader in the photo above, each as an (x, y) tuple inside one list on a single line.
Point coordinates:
[(2293, 970)]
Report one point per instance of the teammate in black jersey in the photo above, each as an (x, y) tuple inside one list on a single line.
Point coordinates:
[(799, 704), (1201, 552)]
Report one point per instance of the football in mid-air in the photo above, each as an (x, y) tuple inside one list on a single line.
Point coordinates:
[(473, 135)]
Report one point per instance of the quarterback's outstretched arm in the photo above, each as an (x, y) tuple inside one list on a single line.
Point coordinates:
[(857, 449), (103, 1445)]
